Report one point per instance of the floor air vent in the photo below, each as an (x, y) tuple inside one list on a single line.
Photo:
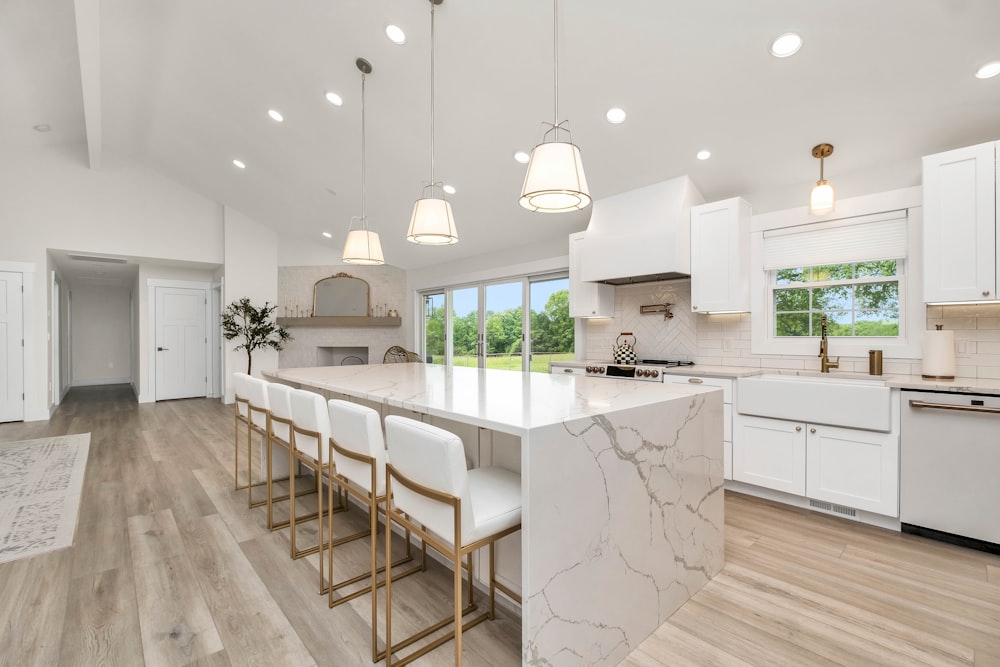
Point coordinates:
[(830, 507)]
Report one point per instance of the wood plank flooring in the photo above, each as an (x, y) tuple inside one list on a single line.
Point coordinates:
[(169, 567)]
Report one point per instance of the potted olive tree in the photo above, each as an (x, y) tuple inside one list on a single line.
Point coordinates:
[(253, 326)]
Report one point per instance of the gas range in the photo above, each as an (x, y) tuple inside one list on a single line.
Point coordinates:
[(647, 370)]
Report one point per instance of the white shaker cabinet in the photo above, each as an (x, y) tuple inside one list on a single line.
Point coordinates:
[(859, 469), (960, 224), (587, 299), (720, 256), (770, 453)]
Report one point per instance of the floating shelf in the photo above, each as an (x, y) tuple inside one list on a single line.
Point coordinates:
[(340, 321)]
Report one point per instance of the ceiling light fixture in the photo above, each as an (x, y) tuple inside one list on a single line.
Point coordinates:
[(328, 235), (239, 164), (555, 181), (275, 115), (786, 45), (334, 99), (989, 70), (432, 222), (703, 154), (522, 157), (448, 189), (362, 245), (615, 115), (395, 34), (821, 195)]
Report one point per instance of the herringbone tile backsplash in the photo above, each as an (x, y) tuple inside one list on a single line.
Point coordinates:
[(656, 337)]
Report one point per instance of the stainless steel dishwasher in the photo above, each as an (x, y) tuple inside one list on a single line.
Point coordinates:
[(949, 468)]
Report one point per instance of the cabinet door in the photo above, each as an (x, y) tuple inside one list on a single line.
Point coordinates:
[(770, 453), (587, 299), (720, 256), (960, 240), (858, 469)]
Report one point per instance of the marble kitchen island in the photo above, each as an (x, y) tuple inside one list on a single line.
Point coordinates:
[(622, 491)]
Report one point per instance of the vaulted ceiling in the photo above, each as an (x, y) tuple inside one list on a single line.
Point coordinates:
[(184, 86)]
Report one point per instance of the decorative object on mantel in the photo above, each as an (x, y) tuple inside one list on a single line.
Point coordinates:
[(242, 319), (624, 353), (658, 308), (362, 245), (341, 295)]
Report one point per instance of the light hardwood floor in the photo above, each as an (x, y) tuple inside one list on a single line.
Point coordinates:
[(169, 567)]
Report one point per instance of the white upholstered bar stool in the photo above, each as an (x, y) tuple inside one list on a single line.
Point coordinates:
[(454, 510), (357, 450), (251, 409), (279, 434)]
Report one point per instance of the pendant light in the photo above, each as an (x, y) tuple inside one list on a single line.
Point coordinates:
[(821, 195), (432, 222), (362, 245), (555, 181)]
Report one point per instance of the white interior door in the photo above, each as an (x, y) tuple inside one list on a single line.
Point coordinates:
[(11, 347), (181, 359)]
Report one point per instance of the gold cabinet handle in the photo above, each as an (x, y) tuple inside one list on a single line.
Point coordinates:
[(961, 408), (695, 380)]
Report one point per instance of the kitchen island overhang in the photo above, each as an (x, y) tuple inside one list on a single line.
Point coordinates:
[(622, 491)]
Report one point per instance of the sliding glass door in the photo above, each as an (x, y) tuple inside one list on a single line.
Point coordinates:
[(504, 326)]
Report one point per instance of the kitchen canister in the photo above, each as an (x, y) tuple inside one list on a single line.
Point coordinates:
[(624, 353), (939, 355)]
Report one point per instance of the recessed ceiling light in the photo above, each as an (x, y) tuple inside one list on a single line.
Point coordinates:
[(987, 71), (240, 164), (703, 154), (41, 127), (275, 115), (615, 115), (450, 189), (334, 99), (522, 157), (328, 235), (786, 45), (395, 34)]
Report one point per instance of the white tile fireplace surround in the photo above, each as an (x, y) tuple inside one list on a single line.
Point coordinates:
[(331, 346), (724, 340)]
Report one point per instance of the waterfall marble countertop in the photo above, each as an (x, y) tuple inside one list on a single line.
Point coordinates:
[(507, 401)]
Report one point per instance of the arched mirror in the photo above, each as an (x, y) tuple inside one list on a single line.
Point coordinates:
[(340, 295)]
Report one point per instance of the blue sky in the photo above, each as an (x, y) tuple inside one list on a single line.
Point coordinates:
[(506, 295)]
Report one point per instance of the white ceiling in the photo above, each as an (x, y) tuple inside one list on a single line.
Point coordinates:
[(184, 86)]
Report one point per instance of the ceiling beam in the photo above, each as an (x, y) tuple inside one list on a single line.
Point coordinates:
[(88, 41)]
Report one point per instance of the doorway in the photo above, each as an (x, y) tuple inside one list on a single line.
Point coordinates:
[(11, 347), (181, 350)]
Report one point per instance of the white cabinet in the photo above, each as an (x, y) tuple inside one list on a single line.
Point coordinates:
[(960, 224), (720, 256), (858, 469), (727, 411), (770, 453), (586, 299)]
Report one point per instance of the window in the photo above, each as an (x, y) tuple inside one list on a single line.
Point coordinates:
[(858, 299)]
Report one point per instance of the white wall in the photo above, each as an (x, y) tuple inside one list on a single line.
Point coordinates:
[(251, 270), (102, 332)]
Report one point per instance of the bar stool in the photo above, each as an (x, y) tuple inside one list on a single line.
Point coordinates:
[(310, 435), (357, 450), (279, 433), (454, 510), (252, 410)]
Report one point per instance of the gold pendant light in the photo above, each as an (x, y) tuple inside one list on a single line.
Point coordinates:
[(362, 245), (555, 181), (432, 222), (821, 198)]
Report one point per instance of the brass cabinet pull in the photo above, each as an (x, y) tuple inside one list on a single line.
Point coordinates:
[(798, 428), (962, 408), (812, 430), (695, 380)]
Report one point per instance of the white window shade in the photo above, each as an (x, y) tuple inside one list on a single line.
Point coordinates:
[(866, 239)]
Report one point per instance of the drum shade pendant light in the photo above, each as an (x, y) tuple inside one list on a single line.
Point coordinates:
[(363, 245), (555, 181), (821, 195), (432, 222)]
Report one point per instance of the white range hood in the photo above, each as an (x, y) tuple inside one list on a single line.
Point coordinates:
[(641, 235)]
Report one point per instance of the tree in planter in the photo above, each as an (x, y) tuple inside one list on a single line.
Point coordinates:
[(254, 326)]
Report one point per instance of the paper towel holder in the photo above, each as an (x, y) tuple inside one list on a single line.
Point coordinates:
[(939, 373)]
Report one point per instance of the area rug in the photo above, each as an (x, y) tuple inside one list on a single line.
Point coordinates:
[(40, 485)]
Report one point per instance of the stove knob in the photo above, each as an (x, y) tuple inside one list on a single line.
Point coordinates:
[(656, 374), (645, 373), (600, 369), (590, 369)]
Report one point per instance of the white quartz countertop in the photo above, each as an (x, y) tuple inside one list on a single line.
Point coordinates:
[(508, 401)]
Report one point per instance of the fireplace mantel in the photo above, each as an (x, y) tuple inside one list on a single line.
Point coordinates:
[(340, 321)]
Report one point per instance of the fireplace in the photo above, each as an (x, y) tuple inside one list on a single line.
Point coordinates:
[(341, 356)]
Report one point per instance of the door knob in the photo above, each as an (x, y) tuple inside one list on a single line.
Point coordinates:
[(163, 349)]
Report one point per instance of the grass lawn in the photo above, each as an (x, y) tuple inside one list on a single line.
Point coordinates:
[(539, 362)]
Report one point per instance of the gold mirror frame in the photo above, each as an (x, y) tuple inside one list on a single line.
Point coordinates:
[(341, 295)]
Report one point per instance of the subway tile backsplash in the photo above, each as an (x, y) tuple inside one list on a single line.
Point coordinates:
[(724, 339)]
